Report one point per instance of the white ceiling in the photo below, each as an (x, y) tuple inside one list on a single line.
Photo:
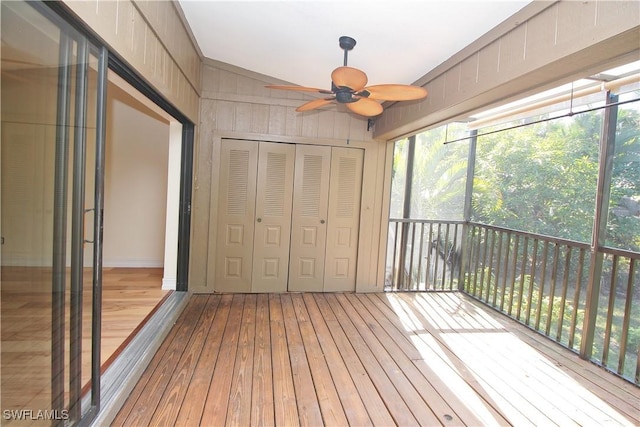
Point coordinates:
[(398, 41)]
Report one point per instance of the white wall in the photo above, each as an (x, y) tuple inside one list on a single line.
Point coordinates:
[(137, 150)]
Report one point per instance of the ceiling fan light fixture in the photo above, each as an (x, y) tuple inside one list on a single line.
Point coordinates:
[(348, 85)]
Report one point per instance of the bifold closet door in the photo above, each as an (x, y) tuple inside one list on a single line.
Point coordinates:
[(343, 219), (254, 219), (309, 219), (273, 217), (236, 215), (288, 217)]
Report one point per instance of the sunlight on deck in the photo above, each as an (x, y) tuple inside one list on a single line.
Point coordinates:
[(514, 377)]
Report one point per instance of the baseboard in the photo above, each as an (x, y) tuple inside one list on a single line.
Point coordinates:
[(169, 283), (132, 263)]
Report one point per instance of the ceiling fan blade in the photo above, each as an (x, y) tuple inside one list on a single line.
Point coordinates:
[(391, 92), (365, 107), (316, 103), (299, 88), (350, 77)]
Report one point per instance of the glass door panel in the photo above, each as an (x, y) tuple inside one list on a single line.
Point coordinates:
[(50, 77)]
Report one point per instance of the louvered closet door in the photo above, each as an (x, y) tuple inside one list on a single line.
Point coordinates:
[(343, 220), (236, 214), (309, 227), (273, 217)]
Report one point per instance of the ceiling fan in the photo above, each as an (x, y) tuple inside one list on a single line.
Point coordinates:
[(349, 87)]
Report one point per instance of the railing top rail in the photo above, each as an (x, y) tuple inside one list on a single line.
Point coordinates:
[(620, 252), (550, 239)]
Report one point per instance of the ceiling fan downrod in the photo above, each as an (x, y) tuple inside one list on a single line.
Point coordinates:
[(346, 43)]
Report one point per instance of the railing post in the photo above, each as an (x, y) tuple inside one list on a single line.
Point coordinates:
[(406, 211), (464, 244), (605, 167)]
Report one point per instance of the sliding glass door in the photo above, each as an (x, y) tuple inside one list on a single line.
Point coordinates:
[(52, 157)]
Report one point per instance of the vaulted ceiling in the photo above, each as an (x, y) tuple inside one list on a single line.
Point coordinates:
[(296, 41)]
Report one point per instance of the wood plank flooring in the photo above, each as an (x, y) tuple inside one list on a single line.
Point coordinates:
[(367, 359), (129, 296)]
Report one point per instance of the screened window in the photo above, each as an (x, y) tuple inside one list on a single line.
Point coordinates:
[(438, 177), (623, 227), (540, 178)]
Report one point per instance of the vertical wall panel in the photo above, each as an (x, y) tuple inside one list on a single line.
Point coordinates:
[(277, 120), (210, 79), (294, 124), (452, 83), (468, 74), (243, 118), (541, 33), (574, 20), (139, 32), (310, 123), (259, 118), (225, 116), (341, 127), (244, 86), (512, 47), (326, 124), (228, 82)]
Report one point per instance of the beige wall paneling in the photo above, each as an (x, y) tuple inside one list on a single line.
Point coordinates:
[(153, 39), (202, 271), (309, 218), (374, 213), (543, 45), (343, 219)]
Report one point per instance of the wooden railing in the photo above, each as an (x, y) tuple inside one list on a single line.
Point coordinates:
[(588, 302), (429, 253)]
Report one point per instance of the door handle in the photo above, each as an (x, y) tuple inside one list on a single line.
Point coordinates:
[(259, 220), (322, 221), (86, 211)]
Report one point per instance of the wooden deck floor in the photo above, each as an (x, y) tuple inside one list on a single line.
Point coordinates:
[(367, 359)]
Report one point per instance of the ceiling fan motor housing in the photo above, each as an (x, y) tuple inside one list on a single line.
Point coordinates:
[(344, 95)]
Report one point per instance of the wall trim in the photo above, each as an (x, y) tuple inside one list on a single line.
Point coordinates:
[(169, 283)]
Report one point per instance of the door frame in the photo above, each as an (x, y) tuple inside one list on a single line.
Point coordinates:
[(123, 70), (91, 45)]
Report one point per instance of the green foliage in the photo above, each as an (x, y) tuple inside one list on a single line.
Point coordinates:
[(633, 340), (623, 230), (539, 178), (542, 178), (439, 177)]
